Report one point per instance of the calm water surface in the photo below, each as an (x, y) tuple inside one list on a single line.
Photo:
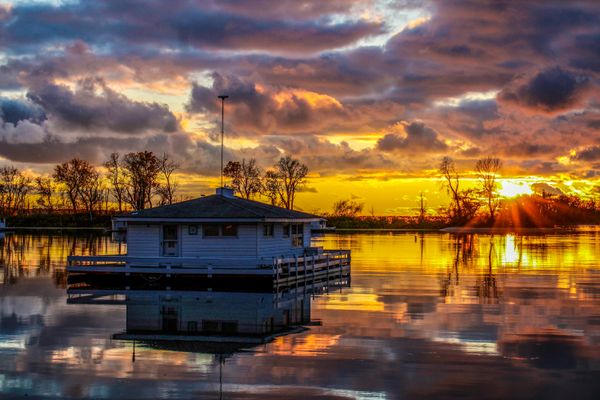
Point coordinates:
[(427, 316)]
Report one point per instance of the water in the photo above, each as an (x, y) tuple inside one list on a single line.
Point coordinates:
[(427, 316)]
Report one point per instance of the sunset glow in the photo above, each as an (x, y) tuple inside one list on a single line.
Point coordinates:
[(370, 96), (514, 188)]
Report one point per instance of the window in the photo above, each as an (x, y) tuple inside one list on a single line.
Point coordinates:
[(211, 229), (286, 230), (297, 235), (170, 246), (229, 230), (268, 229), (229, 327), (192, 326), (210, 326), (220, 230)]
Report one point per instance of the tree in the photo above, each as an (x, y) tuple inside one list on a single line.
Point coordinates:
[(288, 175), (44, 188), (487, 169), (142, 170), (90, 191), (347, 208), (245, 177), (464, 203), (73, 175), (14, 187), (167, 188), (271, 187), (116, 178), (452, 184)]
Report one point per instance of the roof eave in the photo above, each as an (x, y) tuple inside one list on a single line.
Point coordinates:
[(200, 220)]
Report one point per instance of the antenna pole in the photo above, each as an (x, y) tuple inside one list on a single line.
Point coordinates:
[(222, 97)]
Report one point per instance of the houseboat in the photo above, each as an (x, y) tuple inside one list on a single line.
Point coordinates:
[(220, 236)]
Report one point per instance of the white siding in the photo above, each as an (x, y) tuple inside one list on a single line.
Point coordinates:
[(276, 246), (240, 248), (143, 240), (307, 233), (250, 247)]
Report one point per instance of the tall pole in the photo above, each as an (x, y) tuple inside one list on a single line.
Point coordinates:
[(222, 97)]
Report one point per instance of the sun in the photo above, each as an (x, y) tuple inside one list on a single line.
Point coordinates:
[(514, 189)]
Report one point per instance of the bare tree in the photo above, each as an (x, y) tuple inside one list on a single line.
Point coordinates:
[(116, 178), (72, 175), (91, 191), (142, 170), (44, 188), (167, 188), (271, 187), (14, 187), (487, 169), (347, 208), (245, 177), (452, 184), (287, 177)]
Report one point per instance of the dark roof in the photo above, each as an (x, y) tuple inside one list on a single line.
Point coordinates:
[(218, 206)]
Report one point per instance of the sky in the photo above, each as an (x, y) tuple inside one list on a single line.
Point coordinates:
[(369, 94)]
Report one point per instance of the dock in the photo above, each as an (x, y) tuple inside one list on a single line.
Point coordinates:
[(309, 272)]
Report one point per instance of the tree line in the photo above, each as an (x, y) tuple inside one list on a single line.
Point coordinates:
[(134, 181)]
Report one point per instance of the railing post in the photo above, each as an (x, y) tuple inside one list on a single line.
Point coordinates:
[(296, 265), (276, 265), (327, 272), (313, 272)]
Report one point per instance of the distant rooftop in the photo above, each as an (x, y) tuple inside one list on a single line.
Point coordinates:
[(218, 207)]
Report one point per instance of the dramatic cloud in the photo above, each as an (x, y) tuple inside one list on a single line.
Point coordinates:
[(416, 138), (256, 109), (13, 111), (549, 91), (208, 25), (591, 153), (328, 81), (93, 105)]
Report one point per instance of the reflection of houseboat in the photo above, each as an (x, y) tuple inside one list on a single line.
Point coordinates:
[(220, 236), (203, 316)]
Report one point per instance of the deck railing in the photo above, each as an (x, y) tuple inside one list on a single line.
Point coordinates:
[(279, 266)]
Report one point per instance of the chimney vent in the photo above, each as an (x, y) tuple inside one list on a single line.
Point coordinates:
[(225, 192)]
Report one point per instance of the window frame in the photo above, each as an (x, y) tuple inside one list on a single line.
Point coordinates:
[(269, 230), (220, 231)]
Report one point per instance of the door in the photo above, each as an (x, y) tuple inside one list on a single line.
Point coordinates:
[(170, 244)]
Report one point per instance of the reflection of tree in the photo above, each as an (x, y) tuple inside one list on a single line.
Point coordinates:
[(27, 255), (487, 290), (463, 249)]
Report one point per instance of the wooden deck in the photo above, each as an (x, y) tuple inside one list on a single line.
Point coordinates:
[(298, 272)]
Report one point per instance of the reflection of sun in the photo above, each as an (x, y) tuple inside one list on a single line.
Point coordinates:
[(514, 189)]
